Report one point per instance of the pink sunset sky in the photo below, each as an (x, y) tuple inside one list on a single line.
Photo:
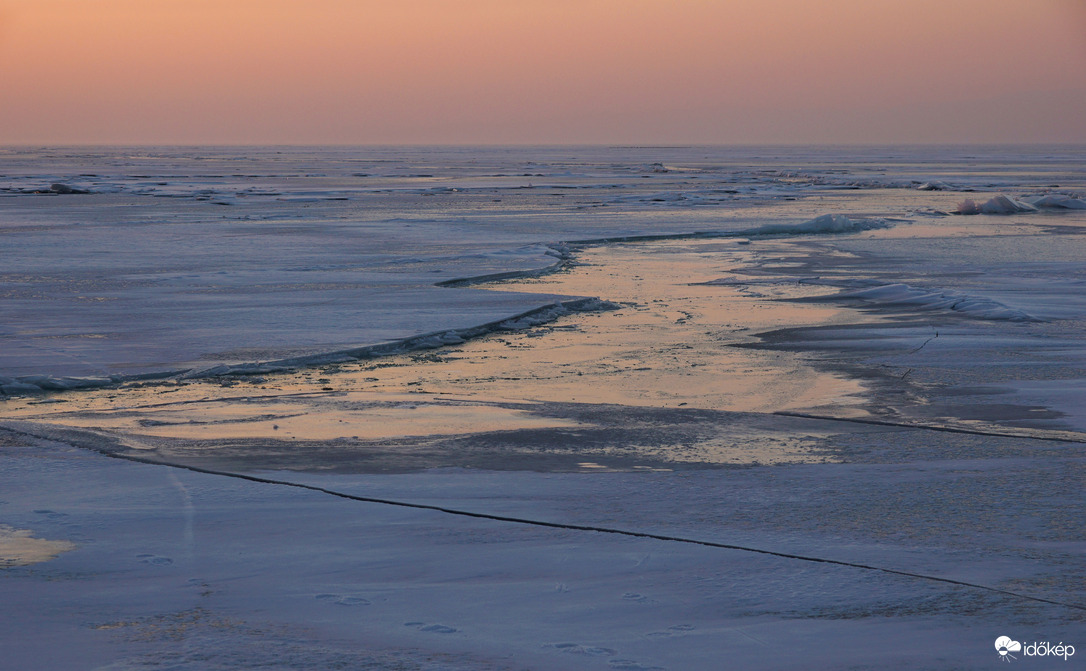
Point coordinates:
[(541, 71)]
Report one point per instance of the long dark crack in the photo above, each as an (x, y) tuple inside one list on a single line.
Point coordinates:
[(567, 526)]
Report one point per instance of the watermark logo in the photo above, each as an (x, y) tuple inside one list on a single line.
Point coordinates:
[(1005, 645)]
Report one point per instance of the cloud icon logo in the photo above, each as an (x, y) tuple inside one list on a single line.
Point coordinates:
[(1005, 646)]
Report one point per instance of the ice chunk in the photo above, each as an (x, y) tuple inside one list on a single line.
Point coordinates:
[(1058, 201), (998, 205), (65, 189)]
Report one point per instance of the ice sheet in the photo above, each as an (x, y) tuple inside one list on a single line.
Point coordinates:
[(735, 398)]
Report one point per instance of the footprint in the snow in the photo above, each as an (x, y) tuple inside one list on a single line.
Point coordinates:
[(51, 514), (155, 560), (432, 628), (631, 665), (632, 596), (672, 630), (343, 599), (439, 629), (578, 649)]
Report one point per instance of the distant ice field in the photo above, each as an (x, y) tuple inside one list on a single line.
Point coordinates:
[(129, 261)]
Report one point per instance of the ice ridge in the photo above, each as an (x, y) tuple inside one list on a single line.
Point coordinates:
[(1058, 201), (827, 223), (917, 298), (1004, 205), (998, 205), (558, 251), (30, 384)]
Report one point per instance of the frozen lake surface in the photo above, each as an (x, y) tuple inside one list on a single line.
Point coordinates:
[(187, 258), (647, 407)]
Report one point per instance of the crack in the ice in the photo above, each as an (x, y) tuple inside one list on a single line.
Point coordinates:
[(925, 343), (1030, 435), (573, 527)]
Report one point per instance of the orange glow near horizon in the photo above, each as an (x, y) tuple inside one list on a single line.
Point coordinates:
[(547, 71)]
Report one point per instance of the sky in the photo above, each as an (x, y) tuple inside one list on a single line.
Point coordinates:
[(542, 71)]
